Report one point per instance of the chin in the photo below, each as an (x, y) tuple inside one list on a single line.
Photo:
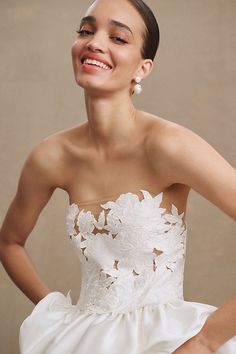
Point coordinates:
[(96, 90), (92, 87), (96, 86)]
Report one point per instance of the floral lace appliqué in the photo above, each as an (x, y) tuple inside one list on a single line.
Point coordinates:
[(136, 255)]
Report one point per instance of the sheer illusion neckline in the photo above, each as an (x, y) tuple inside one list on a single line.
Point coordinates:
[(116, 196), (174, 211), (108, 199)]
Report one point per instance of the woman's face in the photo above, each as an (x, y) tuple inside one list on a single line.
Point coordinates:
[(111, 33)]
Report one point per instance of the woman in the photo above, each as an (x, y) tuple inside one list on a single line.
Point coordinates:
[(128, 175)]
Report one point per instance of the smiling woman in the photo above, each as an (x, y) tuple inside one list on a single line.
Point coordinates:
[(117, 41), (127, 174)]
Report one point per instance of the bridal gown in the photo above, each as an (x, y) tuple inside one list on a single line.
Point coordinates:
[(131, 301)]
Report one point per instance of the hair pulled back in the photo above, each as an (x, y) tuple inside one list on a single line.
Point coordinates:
[(152, 33)]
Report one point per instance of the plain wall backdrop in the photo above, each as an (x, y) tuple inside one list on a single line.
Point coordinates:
[(193, 84)]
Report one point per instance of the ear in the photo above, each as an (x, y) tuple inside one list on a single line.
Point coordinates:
[(145, 68)]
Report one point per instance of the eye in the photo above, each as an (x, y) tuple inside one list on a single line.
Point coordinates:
[(119, 39), (83, 33)]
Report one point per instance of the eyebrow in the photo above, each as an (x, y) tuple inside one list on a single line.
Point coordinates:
[(92, 20)]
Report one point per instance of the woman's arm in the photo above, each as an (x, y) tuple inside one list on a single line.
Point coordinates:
[(219, 327), (36, 184), (190, 160)]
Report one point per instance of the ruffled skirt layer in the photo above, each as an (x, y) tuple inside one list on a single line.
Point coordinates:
[(55, 326)]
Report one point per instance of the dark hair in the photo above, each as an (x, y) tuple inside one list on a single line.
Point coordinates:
[(152, 33)]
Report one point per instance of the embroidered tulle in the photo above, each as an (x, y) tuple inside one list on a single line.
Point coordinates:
[(131, 256)]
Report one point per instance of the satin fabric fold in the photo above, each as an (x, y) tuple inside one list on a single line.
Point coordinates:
[(56, 326)]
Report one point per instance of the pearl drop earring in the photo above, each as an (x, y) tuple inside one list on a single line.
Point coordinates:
[(138, 88)]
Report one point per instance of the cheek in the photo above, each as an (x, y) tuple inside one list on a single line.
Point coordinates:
[(129, 62), (76, 50)]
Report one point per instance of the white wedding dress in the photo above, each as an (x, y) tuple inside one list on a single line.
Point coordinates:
[(131, 299)]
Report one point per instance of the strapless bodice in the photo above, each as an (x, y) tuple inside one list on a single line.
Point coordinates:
[(131, 255), (131, 300)]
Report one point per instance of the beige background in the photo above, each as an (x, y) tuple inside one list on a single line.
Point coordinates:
[(193, 84)]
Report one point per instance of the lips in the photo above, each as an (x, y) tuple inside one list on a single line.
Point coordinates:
[(97, 58)]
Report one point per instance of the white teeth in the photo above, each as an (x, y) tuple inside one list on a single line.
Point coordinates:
[(97, 63)]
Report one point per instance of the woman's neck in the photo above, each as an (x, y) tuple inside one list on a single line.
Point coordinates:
[(111, 121)]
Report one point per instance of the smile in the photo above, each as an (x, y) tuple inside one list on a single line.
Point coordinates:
[(96, 63)]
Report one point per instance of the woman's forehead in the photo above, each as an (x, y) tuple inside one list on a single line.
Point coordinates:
[(116, 10)]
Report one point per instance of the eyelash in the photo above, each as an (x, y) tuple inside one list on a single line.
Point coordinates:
[(86, 33)]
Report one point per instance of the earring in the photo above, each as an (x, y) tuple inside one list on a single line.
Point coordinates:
[(138, 88)]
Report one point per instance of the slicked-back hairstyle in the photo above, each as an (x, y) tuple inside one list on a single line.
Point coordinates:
[(152, 33)]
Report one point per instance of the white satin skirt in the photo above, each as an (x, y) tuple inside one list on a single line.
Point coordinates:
[(56, 326)]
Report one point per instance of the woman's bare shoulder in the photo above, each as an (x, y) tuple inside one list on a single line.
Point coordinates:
[(166, 135), (58, 144), (68, 135), (168, 141), (50, 155)]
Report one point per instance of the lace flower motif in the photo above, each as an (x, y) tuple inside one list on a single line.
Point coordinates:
[(70, 219), (134, 255)]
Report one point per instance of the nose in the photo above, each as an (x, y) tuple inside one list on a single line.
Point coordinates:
[(97, 44)]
